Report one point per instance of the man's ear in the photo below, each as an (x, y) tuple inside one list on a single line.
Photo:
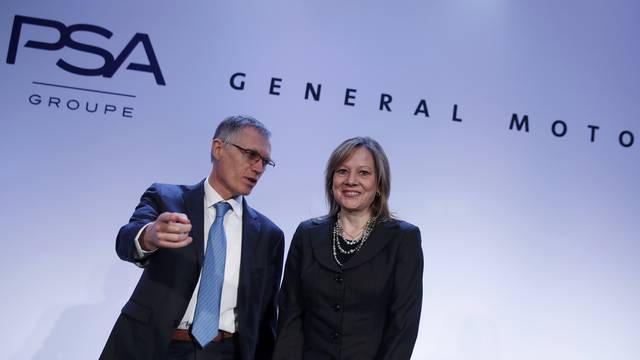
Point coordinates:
[(216, 149)]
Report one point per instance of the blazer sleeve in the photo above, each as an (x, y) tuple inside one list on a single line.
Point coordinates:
[(147, 211), (290, 341), (404, 313)]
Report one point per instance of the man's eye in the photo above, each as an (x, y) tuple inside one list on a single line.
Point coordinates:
[(253, 155)]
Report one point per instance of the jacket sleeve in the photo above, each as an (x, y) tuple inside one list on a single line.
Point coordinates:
[(147, 211), (404, 312), (290, 341)]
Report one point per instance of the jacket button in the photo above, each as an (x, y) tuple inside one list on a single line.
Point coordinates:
[(335, 335), (337, 307), (338, 279)]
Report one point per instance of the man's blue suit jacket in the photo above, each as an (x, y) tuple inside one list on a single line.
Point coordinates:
[(158, 303)]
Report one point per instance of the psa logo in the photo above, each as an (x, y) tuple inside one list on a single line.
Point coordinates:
[(111, 64)]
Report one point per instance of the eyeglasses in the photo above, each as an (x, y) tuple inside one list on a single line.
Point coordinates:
[(254, 156)]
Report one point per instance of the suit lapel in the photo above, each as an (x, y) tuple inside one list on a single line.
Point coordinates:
[(321, 237), (250, 232), (194, 209), (250, 235), (382, 234)]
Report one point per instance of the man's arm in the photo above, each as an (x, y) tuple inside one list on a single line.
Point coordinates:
[(150, 228)]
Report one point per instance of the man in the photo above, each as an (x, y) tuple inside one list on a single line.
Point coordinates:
[(212, 264)]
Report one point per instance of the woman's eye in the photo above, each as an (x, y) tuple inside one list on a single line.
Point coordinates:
[(341, 171), (364, 173)]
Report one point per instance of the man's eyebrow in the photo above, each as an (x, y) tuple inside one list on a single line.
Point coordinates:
[(258, 152)]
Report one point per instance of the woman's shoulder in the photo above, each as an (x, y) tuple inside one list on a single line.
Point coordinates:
[(316, 221), (400, 224), (310, 230), (408, 237)]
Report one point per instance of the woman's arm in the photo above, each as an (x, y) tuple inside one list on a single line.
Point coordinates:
[(290, 338), (404, 313)]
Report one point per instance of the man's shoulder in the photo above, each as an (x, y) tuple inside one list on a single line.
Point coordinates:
[(172, 190)]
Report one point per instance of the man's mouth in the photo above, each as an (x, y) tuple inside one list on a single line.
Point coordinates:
[(252, 180)]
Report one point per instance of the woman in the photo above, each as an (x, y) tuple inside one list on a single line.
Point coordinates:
[(352, 286)]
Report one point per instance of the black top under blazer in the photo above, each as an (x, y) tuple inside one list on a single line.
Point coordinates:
[(369, 309)]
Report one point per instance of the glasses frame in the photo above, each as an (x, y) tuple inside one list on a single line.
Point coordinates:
[(253, 156)]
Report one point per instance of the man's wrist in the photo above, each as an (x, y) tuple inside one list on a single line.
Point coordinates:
[(142, 247)]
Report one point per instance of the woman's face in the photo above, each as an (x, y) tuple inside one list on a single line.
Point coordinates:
[(354, 182)]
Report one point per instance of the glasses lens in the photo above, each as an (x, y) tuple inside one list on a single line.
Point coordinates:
[(253, 156)]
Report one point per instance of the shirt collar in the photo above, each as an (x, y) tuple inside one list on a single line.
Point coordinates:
[(211, 197)]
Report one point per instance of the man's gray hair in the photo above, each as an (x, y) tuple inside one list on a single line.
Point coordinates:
[(229, 128)]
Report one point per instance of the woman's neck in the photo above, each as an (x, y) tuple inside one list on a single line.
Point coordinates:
[(353, 223)]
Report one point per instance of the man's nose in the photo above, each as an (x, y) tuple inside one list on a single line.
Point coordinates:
[(258, 167)]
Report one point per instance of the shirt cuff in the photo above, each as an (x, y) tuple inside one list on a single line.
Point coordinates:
[(141, 253)]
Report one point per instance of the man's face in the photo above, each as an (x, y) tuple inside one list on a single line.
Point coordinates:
[(233, 172)]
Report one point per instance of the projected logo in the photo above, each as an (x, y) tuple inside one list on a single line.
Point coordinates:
[(517, 123), (63, 38)]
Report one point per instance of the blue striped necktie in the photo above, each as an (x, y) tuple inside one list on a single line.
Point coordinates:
[(207, 316)]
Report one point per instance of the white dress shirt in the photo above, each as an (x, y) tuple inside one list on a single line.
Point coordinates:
[(233, 231)]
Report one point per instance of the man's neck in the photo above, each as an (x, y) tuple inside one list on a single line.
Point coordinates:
[(217, 186)]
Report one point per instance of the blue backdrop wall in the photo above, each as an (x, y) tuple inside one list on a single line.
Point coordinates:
[(511, 127)]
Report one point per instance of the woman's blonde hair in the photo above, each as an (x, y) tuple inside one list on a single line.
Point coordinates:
[(379, 207)]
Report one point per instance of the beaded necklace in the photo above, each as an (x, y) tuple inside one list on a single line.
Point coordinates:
[(349, 247)]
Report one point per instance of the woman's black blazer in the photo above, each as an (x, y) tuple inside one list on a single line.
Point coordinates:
[(369, 309)]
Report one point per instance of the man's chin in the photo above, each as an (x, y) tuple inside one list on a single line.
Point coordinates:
[(246, 190)]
